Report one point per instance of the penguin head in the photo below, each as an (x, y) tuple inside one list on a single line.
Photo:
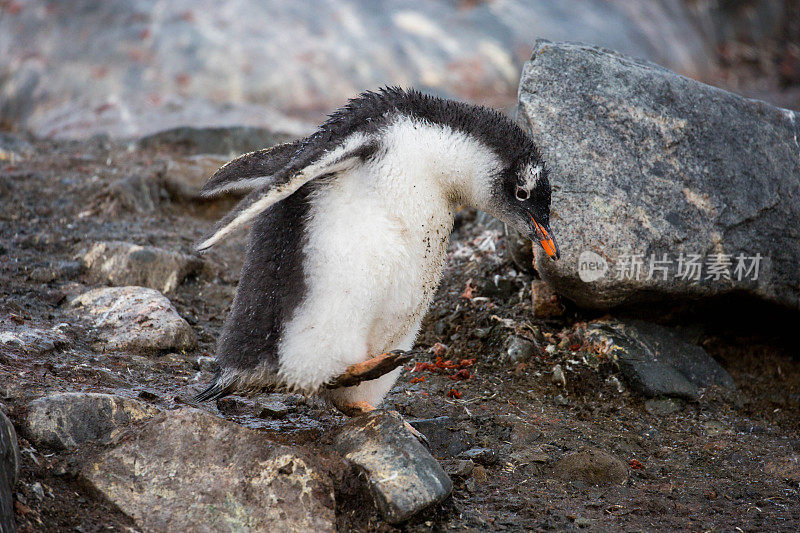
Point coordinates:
[(521, 194)]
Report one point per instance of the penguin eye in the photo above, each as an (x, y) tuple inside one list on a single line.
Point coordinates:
[(522, 194)]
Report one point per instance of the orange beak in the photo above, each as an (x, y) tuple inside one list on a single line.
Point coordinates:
[(546, 240)]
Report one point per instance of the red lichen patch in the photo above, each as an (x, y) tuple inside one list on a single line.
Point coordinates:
[(469, 290), (419, 379), (636, 464), (461, 375), (453, 393), (439, 349)]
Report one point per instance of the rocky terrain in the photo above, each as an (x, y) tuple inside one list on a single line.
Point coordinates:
[(541, 416), (679, 410)]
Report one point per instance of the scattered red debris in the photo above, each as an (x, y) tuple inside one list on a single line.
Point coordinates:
[(469, 290), (419, 379), (466, 362), (439, 349), (419, 367), (636, 464), (453, 393), (461, 375)]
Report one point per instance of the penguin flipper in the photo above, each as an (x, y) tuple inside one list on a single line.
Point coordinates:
[(250, 171), (356, 149)]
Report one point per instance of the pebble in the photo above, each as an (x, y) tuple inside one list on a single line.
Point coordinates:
[(481, 456), (558, 376), (271, 409), (458, 467), (546, 302), (135, 319), (520, 349), (592, 466)]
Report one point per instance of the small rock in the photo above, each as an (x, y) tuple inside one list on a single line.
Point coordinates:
[(135, 319), (561, 400), (546, 303), (233, 406), (187, 470), (656, 361), (403, 477), (520, 349), (714, 428), (205, 363), (584, 522), (446, 437), (458, 467), (9, 472), (558, 376), (123, 263), (662, 407), (271, 409), (592, 466), (481, 456), (32, 340), (66, 420)]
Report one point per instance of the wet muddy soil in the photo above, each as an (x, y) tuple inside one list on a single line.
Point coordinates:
[(729, 461)]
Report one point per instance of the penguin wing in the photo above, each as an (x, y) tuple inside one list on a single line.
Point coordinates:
[(306, 163), (250, 171)]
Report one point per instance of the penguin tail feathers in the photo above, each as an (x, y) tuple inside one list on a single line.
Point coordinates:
[(218, 389)]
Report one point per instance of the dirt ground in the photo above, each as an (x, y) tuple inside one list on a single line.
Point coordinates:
[(727, 462)]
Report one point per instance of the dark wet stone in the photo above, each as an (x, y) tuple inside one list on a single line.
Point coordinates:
[(446, 437), (403, 477), (187, 470), (231, 141), (9, 472), (592, 466), (656, 361), (645, 161), (72, 418)]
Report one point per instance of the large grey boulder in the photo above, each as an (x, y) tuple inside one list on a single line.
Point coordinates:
[(403, 477), (67, 420), (135, 319), (645, 161), (187, 470)]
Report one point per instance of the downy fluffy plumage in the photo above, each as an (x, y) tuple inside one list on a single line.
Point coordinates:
[(350, 228)]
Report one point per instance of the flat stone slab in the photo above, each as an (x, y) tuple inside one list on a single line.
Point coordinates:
[(663, 187), (125, 263), (187, 470), (403, 476), (656, 361), (69, 419), (136, 319)]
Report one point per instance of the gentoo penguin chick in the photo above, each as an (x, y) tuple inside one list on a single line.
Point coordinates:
[(350, 230)]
